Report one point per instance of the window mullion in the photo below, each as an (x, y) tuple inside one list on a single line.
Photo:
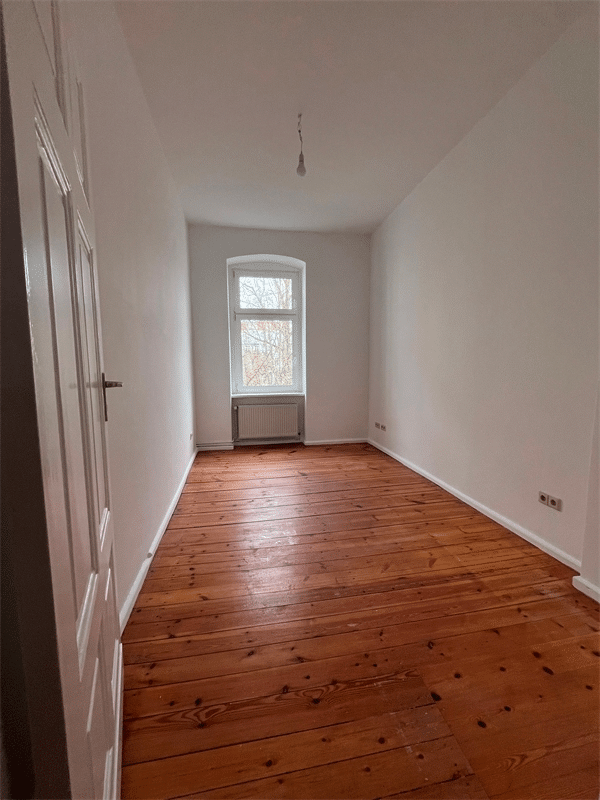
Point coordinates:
[(254, 313)]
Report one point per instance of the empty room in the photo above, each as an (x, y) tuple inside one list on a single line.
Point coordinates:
[(301, 357)]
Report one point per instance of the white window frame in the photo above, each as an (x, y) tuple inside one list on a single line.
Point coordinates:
[(269, 267)]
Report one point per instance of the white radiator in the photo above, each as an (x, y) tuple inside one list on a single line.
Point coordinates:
[(267, 421)]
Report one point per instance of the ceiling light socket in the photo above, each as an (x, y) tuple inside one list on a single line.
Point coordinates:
[(301, 169)]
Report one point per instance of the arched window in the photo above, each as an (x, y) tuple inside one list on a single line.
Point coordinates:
[(266, 324)]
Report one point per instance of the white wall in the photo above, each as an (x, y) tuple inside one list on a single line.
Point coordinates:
[(484, 304), (337, 326), (144, 292), (589, 580)]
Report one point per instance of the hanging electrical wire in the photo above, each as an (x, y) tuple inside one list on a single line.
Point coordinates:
[(300, 169)]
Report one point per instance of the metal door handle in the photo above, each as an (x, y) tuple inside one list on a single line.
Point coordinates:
[(108, 385)]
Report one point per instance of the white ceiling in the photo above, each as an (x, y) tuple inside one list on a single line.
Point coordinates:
[(386, 90)]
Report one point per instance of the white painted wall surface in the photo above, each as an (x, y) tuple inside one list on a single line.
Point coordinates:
[(337, 326), (484, 303), (589, 579), (144, 291)]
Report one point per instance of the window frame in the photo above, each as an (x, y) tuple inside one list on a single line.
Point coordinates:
[(267, 267)]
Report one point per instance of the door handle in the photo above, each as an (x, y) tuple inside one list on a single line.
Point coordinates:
[(108, 385)]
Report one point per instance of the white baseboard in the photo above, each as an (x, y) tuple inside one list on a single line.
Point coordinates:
[(141, 576), (336, 441), (529, 536), (587, 587), (214, 446)]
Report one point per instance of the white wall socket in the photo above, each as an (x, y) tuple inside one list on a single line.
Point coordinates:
[(548, 500)]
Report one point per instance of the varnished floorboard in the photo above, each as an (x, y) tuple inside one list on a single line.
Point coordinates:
[(324, 623)]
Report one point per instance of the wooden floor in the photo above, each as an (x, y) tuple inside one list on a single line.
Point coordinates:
[(324, 623)]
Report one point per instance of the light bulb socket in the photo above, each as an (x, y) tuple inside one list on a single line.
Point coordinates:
[(301, 169)]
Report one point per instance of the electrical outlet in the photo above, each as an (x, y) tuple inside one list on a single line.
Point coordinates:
[(548, 500), (555, 503), (383, 428), (377, 425)]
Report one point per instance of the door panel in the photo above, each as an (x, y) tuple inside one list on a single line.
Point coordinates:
[(45, 13), (78, 127), (88, 313), (97, 726), (56, 229), (59, 261), (111, 644)]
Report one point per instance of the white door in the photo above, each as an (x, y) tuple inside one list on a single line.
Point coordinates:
[(48, 102)]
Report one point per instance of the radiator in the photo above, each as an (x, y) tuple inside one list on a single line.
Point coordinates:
[(267, 421)]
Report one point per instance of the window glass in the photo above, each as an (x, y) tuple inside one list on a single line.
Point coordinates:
[(267, 352), (265, 292)]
